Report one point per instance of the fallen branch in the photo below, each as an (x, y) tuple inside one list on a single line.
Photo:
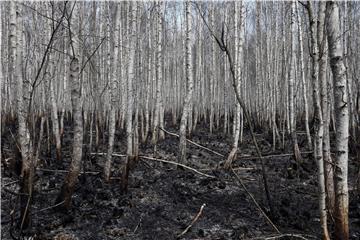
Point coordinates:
[(236, 168), (271, 156), (287, 235), (64, 171), (32, 213), (193, 221), (138, 225), (114, 154), (14, 193), (194, 143), (50, 207), (160, 160), (177, 164), (255, 202), (9, 183)]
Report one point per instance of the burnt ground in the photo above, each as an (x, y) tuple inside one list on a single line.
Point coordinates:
[(162, 199)]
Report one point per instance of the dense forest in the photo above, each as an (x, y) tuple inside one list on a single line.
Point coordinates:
[(180, 119)]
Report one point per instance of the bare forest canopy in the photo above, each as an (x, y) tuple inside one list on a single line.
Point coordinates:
[(85, 76)]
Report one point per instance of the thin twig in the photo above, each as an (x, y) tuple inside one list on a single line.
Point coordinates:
[(193, 221), (255, 202), (159, 160), (138, 225), (114, 154), (223, 46), (177, 164), (271, 156), (9, 183), (50, 207), (194, 143), (287, 235), (14, 193), (63, 171), (235, 168)]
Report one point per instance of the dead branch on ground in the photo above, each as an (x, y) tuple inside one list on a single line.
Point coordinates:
[(192, 142), (193, 221), (255, 202), (177, 164)]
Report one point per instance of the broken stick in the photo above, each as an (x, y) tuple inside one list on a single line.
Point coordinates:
[(177, 164), (255, 202), (194, 143), (193, 221)]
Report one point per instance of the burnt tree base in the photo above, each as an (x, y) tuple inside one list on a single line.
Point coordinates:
[(66, 192)]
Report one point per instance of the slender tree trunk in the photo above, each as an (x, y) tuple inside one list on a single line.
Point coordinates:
[(302, 70), (212, 70), (341, 120), (64, 90), (114, 76), (22, 99), (148, 83), (68, 187), (239, 40), (158, 105), (328, 163), (189, 80), (319, 124), (130, 100), (54, 109), (292, 93)]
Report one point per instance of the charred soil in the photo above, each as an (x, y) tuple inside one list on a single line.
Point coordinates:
[(163, 199)]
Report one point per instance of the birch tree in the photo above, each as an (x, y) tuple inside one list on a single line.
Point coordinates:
[(53, 100), (130, 100), (319, 124), (334, 36), (156, 134), (328, 163), (113, 90), (68, 187), (22, 99), (292, 93), (239, 39), (305, 89), (189, 80)]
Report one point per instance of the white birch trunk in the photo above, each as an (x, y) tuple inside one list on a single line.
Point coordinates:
[(341, 120), (158, 105), (328, 162), (74, 70), (302, 70), (239, 40), (292, 93), (189, 79), (113, 90), (22, 99), (319, 124)]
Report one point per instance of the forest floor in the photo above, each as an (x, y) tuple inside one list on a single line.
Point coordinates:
[(162, 199)]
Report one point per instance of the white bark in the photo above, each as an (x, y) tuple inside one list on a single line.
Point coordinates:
[(113, 90), (305, 90), (131, 80), (319, 124), (189, 79), (292, 93), (53, 100), (239, 40), (341, 120), (158, 105), (328, 168), (74, 71)]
